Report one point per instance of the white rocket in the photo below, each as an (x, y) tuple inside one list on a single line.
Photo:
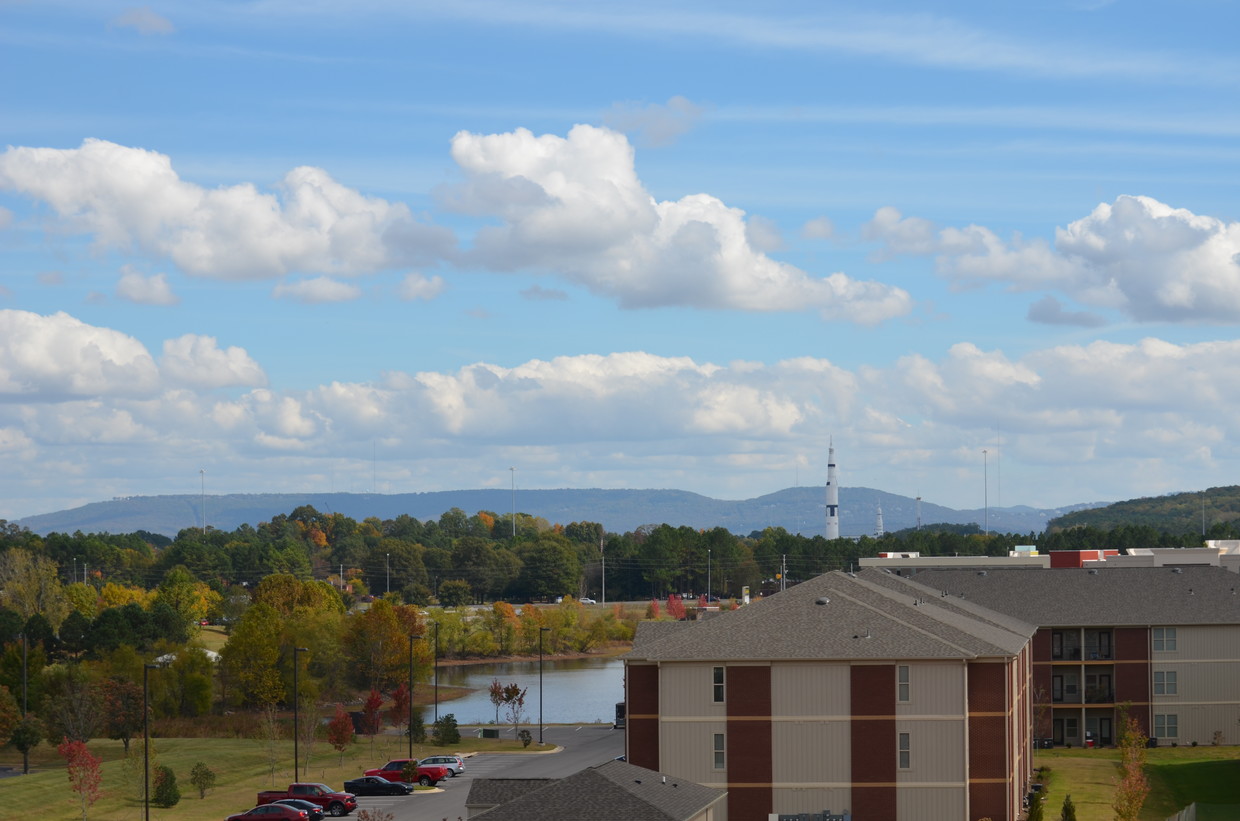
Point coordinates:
[(833, 495)]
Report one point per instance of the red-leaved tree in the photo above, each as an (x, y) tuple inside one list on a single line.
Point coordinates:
[(398, 713), (85, 775), (676, 607), (370, 715), (652, 610), (340, 731)]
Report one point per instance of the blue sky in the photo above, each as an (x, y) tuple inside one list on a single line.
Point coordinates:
[(314, 246)]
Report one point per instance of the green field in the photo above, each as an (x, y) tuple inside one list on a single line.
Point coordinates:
[(1178, 776), (241, 767)]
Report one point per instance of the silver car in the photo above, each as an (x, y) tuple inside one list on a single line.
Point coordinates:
[(452, 763)]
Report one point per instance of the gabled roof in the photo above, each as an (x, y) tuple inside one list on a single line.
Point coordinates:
[(615, 791), (867, 615), (1102, 596)]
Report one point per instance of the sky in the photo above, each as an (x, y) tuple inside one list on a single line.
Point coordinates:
[(991, 251)]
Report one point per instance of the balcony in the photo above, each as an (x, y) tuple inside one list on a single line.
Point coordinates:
[(1099, 695)]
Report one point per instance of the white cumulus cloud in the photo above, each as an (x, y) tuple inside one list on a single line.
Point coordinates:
[(574, 206), (1147, 259), (132, 199), (198, 361), (60, 356), (153, 290)]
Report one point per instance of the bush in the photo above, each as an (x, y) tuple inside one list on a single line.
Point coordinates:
[(166, 793), (445, 731), (525, 737), (203, 778)]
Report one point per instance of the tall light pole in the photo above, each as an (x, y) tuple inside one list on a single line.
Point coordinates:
[(541, 630), (146, 740), (202, 475), (409, 727), (387, 565), (603, 557), (436, 671), (514, 503), (296, 713), (986, 492), (708, 576), (73, 578)]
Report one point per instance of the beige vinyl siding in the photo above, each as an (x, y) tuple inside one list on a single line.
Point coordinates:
[(687, 690), (815, 689), (689, 751), (934, 689), (811, 800), (936, 750), (1215, 641), (805, 752), (930, 803)]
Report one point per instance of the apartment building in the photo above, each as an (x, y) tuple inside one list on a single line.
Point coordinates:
[(865, 694), (1160, 641)]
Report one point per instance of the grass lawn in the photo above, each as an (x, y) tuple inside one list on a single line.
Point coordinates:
[(1178, 776), (241, 767)]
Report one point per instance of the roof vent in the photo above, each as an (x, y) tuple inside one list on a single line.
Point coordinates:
[(981, 572), (823, 600), (1177, 570), (1093, 571)]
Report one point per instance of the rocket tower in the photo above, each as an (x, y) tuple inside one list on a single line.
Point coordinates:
[(833, 495)]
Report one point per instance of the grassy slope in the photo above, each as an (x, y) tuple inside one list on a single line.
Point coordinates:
[(240, 766), (1178, 776)]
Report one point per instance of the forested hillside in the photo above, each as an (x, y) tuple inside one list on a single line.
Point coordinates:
[(1211, 512)]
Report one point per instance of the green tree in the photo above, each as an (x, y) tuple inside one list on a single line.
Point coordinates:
[(251, 656), (25, 737), (1068, 813), (203, 778), (165, 792), (445, 731), (10, 715), (455, 593), (30, 584)]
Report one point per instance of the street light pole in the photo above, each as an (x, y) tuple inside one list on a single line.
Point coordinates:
[(436, 672), (409, 727), (146, 741), (387, 564), (541, 630), (708, 577), (514, 502), (296, 713)]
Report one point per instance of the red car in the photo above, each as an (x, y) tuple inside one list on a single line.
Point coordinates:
[(271, 812), (428, 776)]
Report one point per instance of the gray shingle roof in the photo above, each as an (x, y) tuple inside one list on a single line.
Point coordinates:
[(615, 791), (1116, 596), (490, 792), (868, 615)]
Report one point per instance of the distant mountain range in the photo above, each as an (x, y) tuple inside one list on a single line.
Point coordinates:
[(797, 510)]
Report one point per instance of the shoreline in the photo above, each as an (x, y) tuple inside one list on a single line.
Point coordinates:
[(609, 652)]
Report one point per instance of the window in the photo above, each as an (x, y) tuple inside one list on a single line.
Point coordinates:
[(717, 679), (721, 759), (902, 682), (1164, 683), (1166, 725), (905, 754), (1164, 639)]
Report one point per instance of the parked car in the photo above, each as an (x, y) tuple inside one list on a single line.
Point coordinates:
[(271, 812), (428, 776), (454, 764), (313, 811), (587, 601), (377, 785), (333, 803)]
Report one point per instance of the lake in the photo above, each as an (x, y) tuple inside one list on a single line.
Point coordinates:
[(575, 691)]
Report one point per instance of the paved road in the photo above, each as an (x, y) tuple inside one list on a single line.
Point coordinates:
[(583, 746)]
